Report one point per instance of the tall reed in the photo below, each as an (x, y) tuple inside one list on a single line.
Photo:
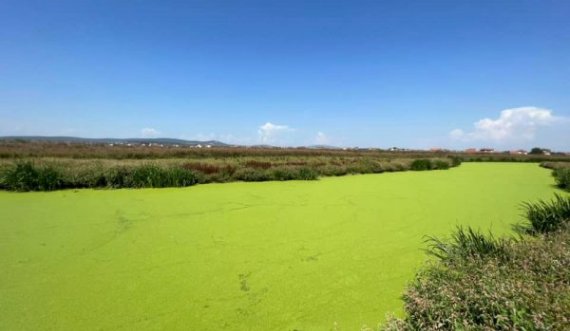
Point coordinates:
[(546, 216)]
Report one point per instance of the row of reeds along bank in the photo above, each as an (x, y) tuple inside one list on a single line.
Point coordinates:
[(560, 172), (478, 282), (54, 174)]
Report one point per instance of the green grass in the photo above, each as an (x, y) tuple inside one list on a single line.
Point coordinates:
[(522, 286), (479, 282), (305, 255)]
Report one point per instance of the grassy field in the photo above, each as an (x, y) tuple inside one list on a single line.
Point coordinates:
[(298, 255)]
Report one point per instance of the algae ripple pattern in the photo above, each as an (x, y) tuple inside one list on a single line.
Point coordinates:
[(240, 256)]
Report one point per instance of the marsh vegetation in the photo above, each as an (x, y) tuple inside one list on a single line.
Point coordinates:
[(479, 282), (50, 166), (29, 166)]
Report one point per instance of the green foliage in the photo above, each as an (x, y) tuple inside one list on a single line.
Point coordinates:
[(527, 291), (25, 176), (466, 243), (20, 177), (48, 179), (283, 173), (179, 177), (306, 173), (51, 174), (547, 216), (85, 177), (537, 151), (117, 177), (332, 170), (562, 177), (293, 173), (251, 175), (483, 283), (455, 161), (421, 164), (150, 175), (440, 164), (555, 164)]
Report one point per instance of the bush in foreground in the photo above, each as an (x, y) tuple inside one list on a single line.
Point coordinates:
[(482, 283), (467, 243), (528, 291), (546, 216)]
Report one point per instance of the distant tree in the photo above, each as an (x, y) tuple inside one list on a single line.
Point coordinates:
[(536, 150)]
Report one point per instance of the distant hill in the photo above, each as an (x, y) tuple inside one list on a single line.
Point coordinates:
[(138, 141), (323, 147), (79, 140)]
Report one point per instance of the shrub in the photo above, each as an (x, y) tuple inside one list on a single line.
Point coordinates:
[(333, 170), (440, 164), (147, 176), (205, 168), (258, 164), (562, 177), (421, 164), (284, 173), (466, 243), (307, 174), (154, 176), (179, 177), (251, 175), (117, 177), (49, 179), (483, 283), (529, 290), (455, 161), (368, 166), (21, 177), (398, 165), (546, 216), (25, 176)]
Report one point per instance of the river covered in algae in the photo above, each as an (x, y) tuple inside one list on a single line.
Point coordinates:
[(241, 256)]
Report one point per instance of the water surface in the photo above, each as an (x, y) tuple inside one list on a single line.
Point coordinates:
[(240, 256)]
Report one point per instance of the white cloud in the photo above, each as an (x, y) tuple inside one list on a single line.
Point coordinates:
[(149, 133), (270, 133), (456, 133), (513, 125), (322, 139)]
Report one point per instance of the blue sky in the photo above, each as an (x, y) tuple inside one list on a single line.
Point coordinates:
[(350, 73)]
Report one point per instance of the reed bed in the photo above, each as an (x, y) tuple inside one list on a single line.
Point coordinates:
[(47, 174)]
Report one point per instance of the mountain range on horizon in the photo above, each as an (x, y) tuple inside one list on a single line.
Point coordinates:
[(71, 139), (163, 141)]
